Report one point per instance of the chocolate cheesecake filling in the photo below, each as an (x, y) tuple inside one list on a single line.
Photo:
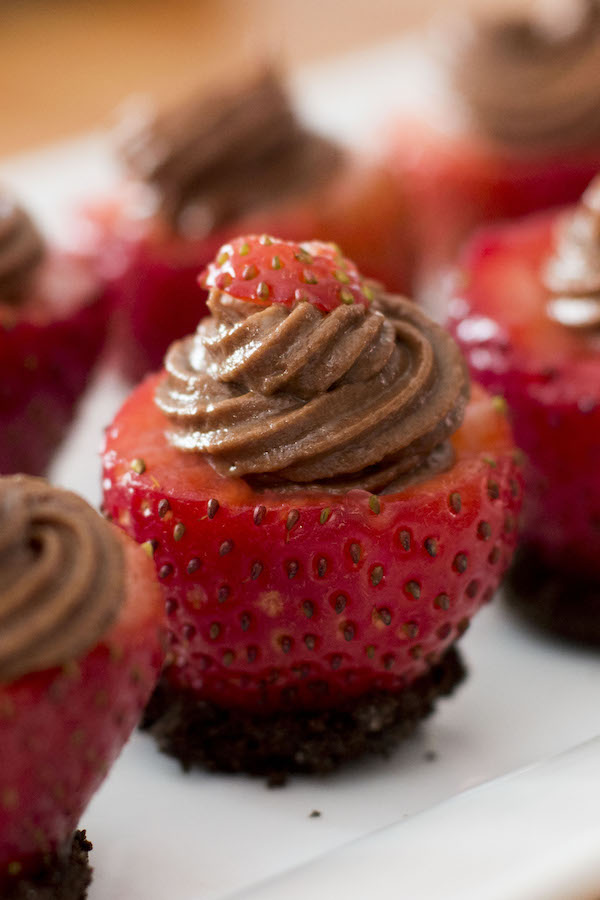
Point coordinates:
[(532, 82), (63, 576), (360, 397), (214, 158), (21, 250), (572, 274)]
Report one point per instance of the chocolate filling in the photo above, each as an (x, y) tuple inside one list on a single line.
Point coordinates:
[(360, 397), (63, 579), (21, 250), (532, 83), (214, 158)]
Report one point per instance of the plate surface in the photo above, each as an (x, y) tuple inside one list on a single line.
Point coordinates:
[(160, 834), (545, 815)]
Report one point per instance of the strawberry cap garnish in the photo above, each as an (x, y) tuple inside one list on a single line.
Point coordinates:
[(266, 270)]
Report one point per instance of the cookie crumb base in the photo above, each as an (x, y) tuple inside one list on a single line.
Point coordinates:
[(65, 878), (563, 603), (200, 733)]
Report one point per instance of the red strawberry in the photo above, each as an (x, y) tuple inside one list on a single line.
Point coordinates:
[(305, 600), (267, 270), (48, 347), (62, 728), (550, 377), (361, 210), (146, 271), (455, 182)]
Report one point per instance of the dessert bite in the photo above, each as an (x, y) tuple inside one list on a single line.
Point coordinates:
[(526, 312), (512, 126), (52, 329), (326, 510), (80, 652), (218, 165)]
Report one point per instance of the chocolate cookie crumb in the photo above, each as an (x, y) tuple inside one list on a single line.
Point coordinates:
[(65, 878), (563, 603), (200, 733)]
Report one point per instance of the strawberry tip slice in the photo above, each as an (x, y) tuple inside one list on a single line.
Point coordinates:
[(266, 270)]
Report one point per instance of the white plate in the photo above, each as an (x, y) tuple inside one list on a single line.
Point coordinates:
[(546, 817), (162, 835)]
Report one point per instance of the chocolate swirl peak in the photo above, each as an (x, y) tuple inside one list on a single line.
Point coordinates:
[(532, 83), (62, 579), (21, 250), (216, 157), (573, 273), (361, 396)]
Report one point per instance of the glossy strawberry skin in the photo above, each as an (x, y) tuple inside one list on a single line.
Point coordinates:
[(311, 596), (61, 729), (457, 182), (550, 377), (265, 270), (47, 352), (361, 210)]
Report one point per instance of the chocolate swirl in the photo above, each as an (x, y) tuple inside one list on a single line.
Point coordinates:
[(21, 250), (62, 576), (573, 273), (358, 397), (533, 82), (215, 158)]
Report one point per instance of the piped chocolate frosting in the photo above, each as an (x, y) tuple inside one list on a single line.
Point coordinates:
[(62, 582), (21, 250), (362, 396), (573, 273), (531, 82), (215, 158)]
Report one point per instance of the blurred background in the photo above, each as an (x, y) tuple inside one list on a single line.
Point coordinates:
[(66, 65)]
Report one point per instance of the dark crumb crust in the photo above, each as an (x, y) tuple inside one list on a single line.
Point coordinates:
[(202, 734), (65, 878), (563, 603)]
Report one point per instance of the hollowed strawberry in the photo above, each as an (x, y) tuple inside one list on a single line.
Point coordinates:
[(456, 182), (48, 347), (550, 376), (324, 622), (60, 731)]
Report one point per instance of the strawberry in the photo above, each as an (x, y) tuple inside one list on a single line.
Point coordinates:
[(62, 728), (361, 210), (305, 600), (267, 270), (550, 376), (48, 347), (454, 182)]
